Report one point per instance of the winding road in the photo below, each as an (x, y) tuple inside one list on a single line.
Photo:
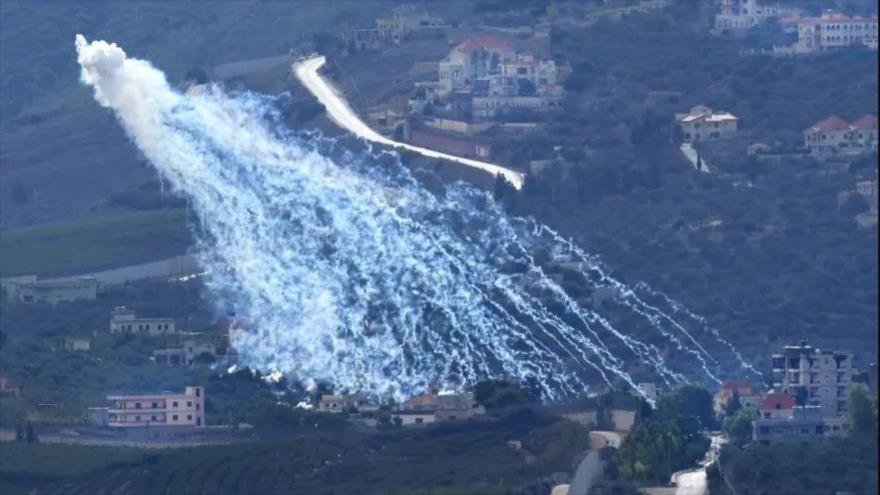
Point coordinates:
[(306, 71)]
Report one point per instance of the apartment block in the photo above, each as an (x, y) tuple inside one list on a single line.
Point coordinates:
[(185, 410), (823, 378)]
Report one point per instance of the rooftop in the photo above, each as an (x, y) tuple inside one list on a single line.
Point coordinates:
[(866, 122), (483, 42), (775, 400), (833, 123)]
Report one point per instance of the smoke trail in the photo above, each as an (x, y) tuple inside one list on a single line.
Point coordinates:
[(347, 271)]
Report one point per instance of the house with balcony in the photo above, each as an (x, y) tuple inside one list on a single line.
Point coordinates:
[(434, 406), (822, 378), (157, 415), (750, 398)]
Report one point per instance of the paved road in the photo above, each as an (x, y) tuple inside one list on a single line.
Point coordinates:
[(588, 472), (342, 114), (611, 437), (691, 154)]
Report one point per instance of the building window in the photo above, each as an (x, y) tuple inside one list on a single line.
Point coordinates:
[(137, 418), (137, 405), (189, 417), (419, 421), (153, 417), (198, 392), (189, 403), (155, 405), (174, 404), (174, 417)]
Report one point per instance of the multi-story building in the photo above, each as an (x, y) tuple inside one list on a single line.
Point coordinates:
[(835, 135), (177, 411), (124, 320), (700, 123), (821, 378), (405, 19), (56, 291), (832, 30), (743, 14), (489, 75)]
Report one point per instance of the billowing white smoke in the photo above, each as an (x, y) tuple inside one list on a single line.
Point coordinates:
[(347, 271)]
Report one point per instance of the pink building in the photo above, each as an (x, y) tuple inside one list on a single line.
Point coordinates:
[(158, 410), (777, 406)]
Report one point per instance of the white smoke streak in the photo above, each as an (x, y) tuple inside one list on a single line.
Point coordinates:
[(346, 271)]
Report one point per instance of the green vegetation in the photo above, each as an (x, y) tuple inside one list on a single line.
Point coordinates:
[(738, 427), (470, 457), (826, 465), (670, 439), (24, 466), (94, 243), (821, 467)]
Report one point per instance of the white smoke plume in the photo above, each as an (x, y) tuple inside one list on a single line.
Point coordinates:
[(347, 271)]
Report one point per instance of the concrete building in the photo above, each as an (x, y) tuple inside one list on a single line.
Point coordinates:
[(124, 320), (834, 135), (743, 14), (822, 378), (489, 75), (185, 354), (182, 412), (405, 19), (700, 123), (54, 292), (77, 344), (402, 21), (435, 407), (623, 419), (801, 425), (343, 402), (832, 30)]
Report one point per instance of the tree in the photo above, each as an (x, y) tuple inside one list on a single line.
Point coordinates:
[(739, 427), (733, 404), (30, 434), (496, 394), (863, 414), (688, 401)]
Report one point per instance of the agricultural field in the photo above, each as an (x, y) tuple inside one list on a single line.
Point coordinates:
[(93, 243)]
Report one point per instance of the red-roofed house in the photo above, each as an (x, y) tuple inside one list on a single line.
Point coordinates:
[(833, 30), (835, 135), (777, 406)]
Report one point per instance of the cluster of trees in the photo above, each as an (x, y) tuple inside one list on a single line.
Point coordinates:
[(668, 439)]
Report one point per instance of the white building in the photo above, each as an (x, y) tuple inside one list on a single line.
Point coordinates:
[(702, 124), (833, 30), (31, 290), (123, 320), (824, 378), (158, 410), (743, 14)]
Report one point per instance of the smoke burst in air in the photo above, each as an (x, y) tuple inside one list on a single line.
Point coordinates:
[(347, 271)]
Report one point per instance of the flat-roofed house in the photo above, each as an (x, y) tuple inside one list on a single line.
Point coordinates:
[(53, 292), (124, 320), (175, 412)]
